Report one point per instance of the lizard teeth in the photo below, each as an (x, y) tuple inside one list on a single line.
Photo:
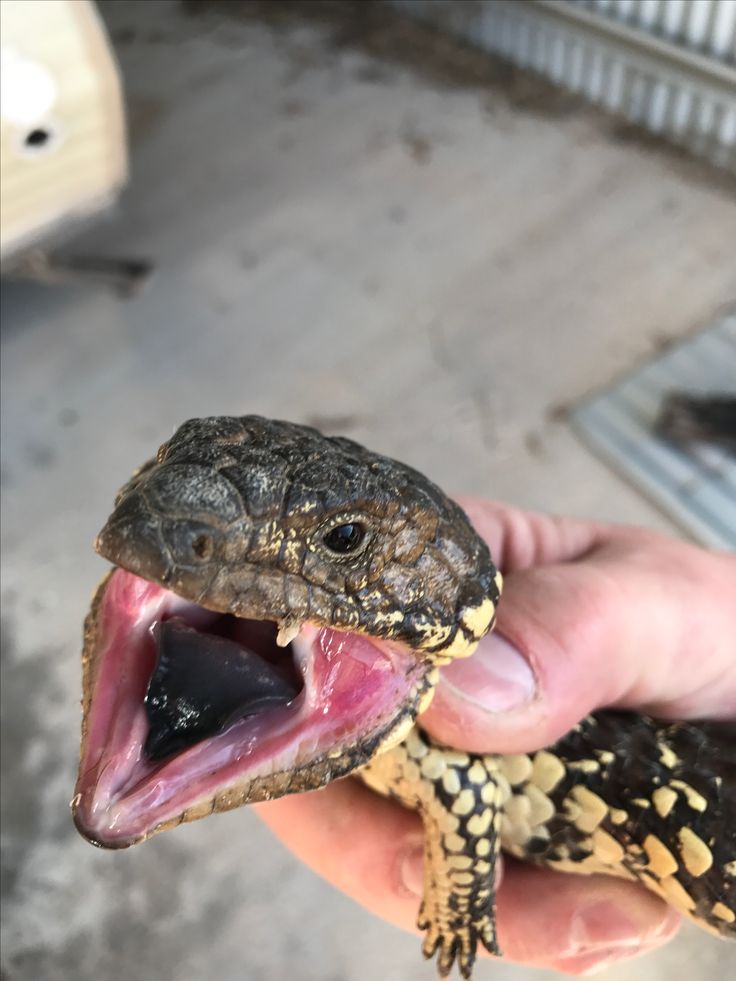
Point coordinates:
[(288, 631)]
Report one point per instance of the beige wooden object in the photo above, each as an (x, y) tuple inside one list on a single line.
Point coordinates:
[(63, 144)]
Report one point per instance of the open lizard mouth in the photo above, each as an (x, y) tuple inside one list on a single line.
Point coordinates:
[(189, 711)]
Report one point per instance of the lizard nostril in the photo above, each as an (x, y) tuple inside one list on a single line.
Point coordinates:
[(202, 546)]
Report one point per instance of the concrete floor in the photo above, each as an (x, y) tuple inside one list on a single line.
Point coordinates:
[(432, 269)]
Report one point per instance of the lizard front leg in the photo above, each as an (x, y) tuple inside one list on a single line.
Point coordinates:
[(459, 798)]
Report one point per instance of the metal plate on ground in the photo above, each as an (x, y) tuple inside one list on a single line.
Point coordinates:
[(694, 484)]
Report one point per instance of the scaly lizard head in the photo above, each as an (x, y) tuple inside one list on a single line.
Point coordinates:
[(279, 608)]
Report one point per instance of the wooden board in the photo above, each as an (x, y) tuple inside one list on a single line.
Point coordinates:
[(62, 147)]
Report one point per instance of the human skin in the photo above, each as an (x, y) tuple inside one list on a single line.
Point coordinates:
[(592, 615)]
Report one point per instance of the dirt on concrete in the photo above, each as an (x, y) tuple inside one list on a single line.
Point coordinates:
[(376, 29)]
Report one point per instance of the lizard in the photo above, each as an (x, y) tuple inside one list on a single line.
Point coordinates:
[(279, 608)]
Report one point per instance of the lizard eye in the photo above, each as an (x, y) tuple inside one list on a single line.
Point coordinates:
[(344, 539)]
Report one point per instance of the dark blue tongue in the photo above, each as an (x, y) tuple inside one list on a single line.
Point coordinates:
[(201, 685)]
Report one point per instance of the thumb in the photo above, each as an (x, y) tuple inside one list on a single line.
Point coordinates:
[(639, 622)]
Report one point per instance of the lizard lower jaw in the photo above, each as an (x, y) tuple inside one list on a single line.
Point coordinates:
[(353, 691)]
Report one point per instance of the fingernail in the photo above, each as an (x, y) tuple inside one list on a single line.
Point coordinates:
[(588, 965), (600, 926), (601, 935), (595, 961), (497, 678), (411, 870)]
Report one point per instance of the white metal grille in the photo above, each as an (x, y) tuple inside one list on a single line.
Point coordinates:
[(667, 65), (707, 26)]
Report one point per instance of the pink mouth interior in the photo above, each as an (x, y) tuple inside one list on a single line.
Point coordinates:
[(352, 687)]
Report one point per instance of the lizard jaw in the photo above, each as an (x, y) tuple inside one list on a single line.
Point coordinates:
[(356, 694)]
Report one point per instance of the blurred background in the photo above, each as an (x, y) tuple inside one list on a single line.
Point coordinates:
[(491, 239)]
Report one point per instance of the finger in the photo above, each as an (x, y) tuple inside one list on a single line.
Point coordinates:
[(525, 539), (370, 848), (640, 621), (572, 924), (367, 846)]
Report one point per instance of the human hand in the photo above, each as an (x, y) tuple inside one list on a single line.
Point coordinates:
[(592, 615)]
